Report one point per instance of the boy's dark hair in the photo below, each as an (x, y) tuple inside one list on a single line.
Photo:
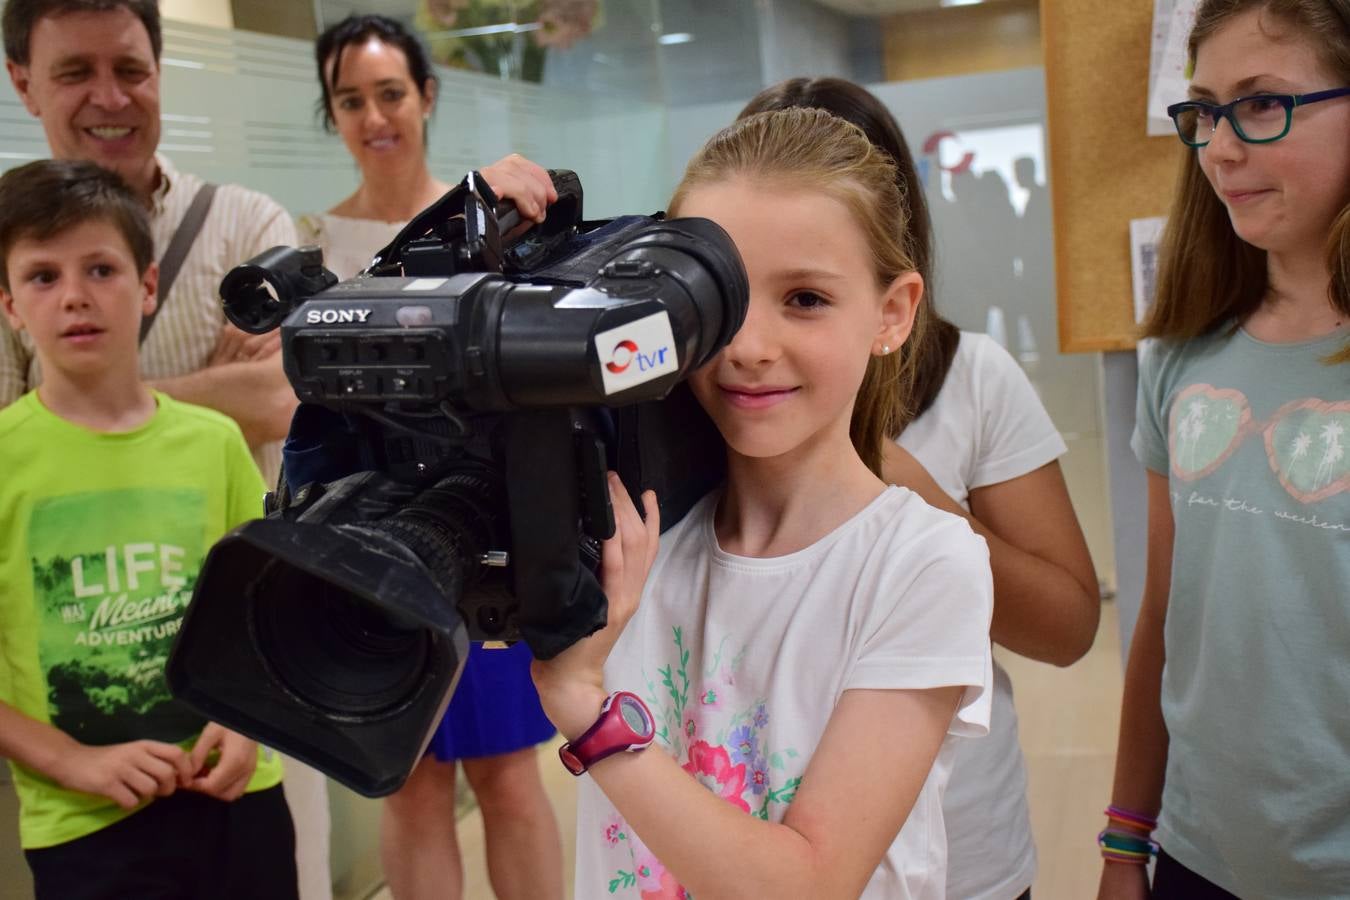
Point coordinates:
[(21, 15), (45, 198), (357, 29)]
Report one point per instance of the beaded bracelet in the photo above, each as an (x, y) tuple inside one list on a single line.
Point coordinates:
[(1125, 847)]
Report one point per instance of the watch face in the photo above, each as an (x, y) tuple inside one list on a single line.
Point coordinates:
[(634, 716)]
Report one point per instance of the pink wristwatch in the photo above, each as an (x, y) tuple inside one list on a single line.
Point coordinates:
[(625, 725)]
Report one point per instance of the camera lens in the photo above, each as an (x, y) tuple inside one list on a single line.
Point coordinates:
[(333, 650)]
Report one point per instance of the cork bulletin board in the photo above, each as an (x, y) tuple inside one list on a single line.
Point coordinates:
[(1105, 170)]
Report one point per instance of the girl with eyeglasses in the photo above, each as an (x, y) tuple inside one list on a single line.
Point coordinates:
[(1235, 738)]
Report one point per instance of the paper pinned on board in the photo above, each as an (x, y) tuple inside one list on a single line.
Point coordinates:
[(1145, 234), (1172, 23)]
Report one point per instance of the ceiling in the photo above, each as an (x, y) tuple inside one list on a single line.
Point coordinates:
[(885, 7), (336, 9)]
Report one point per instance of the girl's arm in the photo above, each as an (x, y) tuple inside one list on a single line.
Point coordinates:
[(1141, 754), (1046, 598), (855, 795)]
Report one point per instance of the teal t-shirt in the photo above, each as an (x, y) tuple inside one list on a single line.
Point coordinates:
[(101, 538), (1256, 687)]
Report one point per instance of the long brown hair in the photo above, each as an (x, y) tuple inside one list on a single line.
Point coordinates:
[(1207, 275), (934, 347), (814, 149)]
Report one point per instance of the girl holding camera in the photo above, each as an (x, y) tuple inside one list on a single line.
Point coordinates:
[(806, 638)]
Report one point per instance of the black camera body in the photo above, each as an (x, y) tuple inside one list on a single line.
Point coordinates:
[(445, 474)]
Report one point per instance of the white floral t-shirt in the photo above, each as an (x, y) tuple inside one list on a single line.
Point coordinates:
[(743, 660)]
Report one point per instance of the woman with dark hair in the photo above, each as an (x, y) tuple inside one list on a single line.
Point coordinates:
[(978, 443), (378, 93), (379, 89)]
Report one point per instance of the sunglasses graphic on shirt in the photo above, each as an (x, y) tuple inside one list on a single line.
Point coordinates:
[(1306, 440)]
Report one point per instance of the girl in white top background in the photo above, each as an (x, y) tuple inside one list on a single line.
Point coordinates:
[(807, 638), (379, 89), (978, 443)]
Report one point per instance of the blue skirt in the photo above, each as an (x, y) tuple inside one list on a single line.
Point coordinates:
[(495, 708)]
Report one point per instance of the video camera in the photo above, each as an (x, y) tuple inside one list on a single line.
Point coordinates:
[(445, 474)]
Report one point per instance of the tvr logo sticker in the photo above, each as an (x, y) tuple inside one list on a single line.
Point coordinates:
[(623, 357), (636, 353), (626, 353)]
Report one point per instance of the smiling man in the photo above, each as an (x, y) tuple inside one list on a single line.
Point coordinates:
[(89, 71)]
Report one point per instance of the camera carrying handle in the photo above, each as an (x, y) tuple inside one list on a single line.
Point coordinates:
[(463, 231)]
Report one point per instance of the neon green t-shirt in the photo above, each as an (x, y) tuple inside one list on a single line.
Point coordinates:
[(101, 539)]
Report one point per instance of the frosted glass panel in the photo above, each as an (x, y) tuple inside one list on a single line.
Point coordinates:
[(21, 138), (980, 144), (599, 48), (239, 107)]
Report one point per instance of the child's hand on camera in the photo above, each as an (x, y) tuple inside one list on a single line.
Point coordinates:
[(571, 685), (127, 774), (225, 776)]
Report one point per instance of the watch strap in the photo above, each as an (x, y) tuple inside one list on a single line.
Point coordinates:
[(608, 735)]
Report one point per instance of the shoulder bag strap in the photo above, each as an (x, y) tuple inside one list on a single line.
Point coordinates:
[(179, 245)]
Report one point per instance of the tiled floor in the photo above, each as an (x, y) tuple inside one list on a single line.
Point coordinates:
[(1068, 720)]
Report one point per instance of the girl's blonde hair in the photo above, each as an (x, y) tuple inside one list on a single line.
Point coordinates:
[(809, 148), (854, 103), (1207, 275)]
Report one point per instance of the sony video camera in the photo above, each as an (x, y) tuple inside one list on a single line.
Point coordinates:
[(445, 474)]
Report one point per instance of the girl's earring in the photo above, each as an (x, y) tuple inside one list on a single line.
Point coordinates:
[(885, 349)]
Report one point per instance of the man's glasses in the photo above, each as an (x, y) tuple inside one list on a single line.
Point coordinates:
[(1259, 119)]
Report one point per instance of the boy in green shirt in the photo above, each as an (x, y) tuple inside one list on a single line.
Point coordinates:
[(110, 497)]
